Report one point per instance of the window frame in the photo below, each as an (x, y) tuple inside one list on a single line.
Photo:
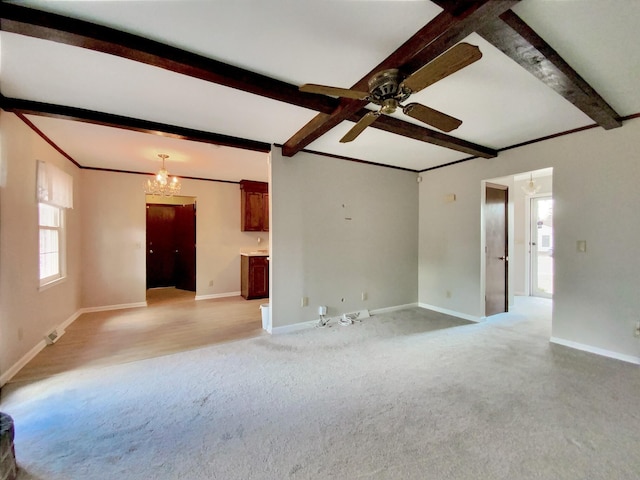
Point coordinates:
[(61, 273)]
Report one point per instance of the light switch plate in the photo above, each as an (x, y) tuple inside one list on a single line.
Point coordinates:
[(581, 246)]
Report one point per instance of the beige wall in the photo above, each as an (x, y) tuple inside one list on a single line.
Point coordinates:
[(595, 176), (318, 254), (26, 313), (113, 237)]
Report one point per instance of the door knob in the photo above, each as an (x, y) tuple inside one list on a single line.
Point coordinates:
[(503, 258), (150, 251)]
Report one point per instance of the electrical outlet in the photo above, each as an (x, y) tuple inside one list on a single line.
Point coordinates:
[(211, 283), (304, 301), (365, 296), (636, 333), (322, 310)]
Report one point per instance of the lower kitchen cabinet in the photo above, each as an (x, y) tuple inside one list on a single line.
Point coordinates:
[(254, 276)]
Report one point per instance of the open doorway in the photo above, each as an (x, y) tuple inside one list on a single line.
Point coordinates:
[(541, 246), (533, 253), (524, 261), (171, 243)]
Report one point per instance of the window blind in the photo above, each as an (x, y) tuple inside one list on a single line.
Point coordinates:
[(54, 186)]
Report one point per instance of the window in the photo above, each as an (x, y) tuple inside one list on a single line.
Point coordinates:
[(55, 194), (51, 219)]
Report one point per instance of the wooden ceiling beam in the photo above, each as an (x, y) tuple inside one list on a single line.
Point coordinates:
[(78, 33), (521, 43), (440, 34), (27, 107), (394, 125), (53, 27)]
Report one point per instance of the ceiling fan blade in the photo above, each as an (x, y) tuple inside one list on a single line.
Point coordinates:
[(333, 91), (359, 127), (432, 117), (449, 62)]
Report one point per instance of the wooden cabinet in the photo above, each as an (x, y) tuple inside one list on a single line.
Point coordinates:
[(254, 206), (254, 276)]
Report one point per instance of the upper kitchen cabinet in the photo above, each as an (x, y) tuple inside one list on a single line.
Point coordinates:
[(254, 197)]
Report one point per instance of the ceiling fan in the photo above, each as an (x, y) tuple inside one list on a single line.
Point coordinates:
[(389, 89)]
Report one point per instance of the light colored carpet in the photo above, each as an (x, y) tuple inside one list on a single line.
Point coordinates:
[(404, 395)]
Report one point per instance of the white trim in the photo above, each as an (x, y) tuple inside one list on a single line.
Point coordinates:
[(52, 283), (113, 307), (598, 351), (217, 295), (30, 355), (393, 309), (453, 313), (63, 326), (16, 367), (294, 327)]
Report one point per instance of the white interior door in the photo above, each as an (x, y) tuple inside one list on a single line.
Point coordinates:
[(541, 250)]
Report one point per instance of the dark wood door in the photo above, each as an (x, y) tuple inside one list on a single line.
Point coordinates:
[(497, 258), (160, 246), (185, 244), (171, 246)]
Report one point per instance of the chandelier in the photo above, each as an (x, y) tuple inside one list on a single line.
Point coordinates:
[(531, 188), (162, 184)]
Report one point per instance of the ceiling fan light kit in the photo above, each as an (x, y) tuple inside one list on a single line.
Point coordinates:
[(388, 89)]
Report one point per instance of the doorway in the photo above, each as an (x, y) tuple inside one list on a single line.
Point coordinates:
[(171, 246), (496, 249), (541, 246)]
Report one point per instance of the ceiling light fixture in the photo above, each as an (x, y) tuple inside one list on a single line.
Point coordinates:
[(162, 184), (531, 188)]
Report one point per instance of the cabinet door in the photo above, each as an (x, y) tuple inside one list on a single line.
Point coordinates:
[(252, 215), (258, 277), (265, 212)]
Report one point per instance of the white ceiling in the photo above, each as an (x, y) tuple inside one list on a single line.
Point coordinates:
[(334, 42)]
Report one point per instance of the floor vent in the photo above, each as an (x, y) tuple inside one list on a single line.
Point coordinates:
[(53, 336)]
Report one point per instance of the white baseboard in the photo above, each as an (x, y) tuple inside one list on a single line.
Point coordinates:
[(598, 351), (16, 367), (121, 306), (30, 355), (295, 327), (70, 320), (393, 309), (217, 295), (453, 313)]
